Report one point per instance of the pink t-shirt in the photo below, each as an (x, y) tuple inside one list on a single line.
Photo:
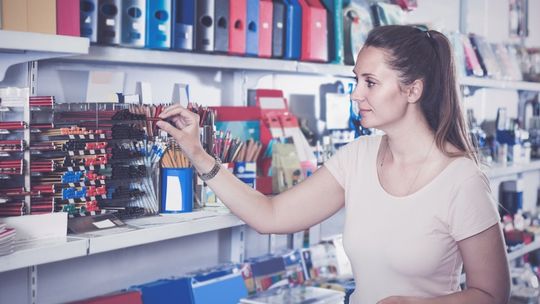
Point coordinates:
[(407, 246)]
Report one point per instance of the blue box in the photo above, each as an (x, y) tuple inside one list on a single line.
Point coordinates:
[(176, 190), (246, 172)]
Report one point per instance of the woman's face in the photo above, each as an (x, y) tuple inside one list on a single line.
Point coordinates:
[(378, 95)]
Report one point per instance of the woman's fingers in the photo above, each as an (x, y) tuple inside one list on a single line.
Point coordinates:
[(175, 110), (170, 129)]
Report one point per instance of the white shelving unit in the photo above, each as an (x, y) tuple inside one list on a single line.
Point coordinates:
[(162, 228), (43, 251), (500, 171), (499, 84), (138, 232), (19, 47), (111, 54)]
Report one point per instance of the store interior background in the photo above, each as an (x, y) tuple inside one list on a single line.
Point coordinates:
[(106, 272)]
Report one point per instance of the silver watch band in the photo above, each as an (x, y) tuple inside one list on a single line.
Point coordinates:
[(213, 172)]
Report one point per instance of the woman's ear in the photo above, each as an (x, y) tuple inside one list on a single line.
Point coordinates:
[(414, 91)]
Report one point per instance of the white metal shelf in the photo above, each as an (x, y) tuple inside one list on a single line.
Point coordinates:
[(140, 231), (19, 47), (500, 171), (111, 54), (524, 250), (499, 84), (325, 69), (43, 251), (162, 228)]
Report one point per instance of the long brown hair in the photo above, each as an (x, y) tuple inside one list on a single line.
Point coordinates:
[(427, 55)]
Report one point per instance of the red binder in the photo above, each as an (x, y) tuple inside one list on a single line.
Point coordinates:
[(265, 28), (68, 18), (237, 27), (132, 297), (314, 31)]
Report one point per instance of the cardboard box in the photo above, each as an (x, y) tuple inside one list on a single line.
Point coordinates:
[(14, 15), (41, 16)]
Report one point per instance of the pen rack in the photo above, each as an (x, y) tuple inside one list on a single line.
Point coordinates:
[(14, 155)]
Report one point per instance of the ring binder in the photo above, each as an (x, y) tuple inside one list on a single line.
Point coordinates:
[(133, 23)]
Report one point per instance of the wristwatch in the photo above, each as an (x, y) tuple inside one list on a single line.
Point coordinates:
[(213, 172)]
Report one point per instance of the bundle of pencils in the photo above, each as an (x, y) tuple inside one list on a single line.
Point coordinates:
[(41, 101), (249, 152), (12, 145), (12, 125), (11, 167), (234, 150), (174, 157), (206, 115)]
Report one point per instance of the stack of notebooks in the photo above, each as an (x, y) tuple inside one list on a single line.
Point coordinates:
[(297, 295), (7, 238)]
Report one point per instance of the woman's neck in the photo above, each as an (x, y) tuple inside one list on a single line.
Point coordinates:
[(409, 140)]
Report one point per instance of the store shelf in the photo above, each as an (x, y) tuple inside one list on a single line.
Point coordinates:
[(111, 54), (499, 84), (325, 69), (500, 171), (18, 47), (524, 250), (161, 228), (43, 251)]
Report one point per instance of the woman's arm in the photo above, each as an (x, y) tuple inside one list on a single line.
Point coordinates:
[(486, 266), (298, 208)]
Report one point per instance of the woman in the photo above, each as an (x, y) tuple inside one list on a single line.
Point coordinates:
[(417, 206)]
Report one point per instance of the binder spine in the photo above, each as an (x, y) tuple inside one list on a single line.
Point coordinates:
[(252, 28), (266, 9), (158, 24), (293, 30), (88, 16), (109, 22), (204, 27), (133, 23), (338, 32), (183, 26), (221, 28), (237, 28), (278, 30)]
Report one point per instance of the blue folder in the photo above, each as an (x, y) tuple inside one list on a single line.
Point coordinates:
[(293, 30), (89, 15), (252, 30), (158, 24), (183, 24), (335, 30)]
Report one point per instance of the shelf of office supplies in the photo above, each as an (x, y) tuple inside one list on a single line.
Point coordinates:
[(19, 47), (499, 84), (112, 54), (156, 229), (43, 251), (496, 171), (163, 228)]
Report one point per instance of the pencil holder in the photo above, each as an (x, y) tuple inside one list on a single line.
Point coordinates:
[(176, 190), (246, 172)]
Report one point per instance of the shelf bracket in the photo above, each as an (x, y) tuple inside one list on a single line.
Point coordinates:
[(13, 58), (32, 284)]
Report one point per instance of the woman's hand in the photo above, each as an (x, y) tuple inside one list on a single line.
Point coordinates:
[(184, 129)]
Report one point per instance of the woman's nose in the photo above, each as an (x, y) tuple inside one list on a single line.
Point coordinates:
[(357, 95)]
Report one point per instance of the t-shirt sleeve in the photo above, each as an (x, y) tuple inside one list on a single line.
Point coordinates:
[(337, 164), (473, 208)]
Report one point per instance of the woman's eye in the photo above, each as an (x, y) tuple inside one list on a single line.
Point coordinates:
[(370, 83)]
